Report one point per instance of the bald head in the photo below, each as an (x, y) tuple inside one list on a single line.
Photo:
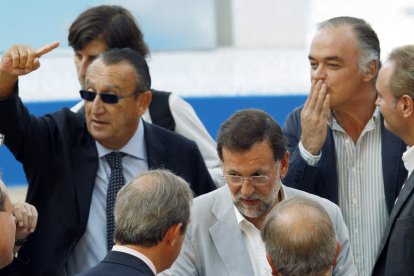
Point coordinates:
[(299, 237)]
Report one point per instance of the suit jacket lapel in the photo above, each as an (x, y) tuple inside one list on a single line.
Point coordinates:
[(84, 173), (227, 236), (402, 198), (156, 148), (328, 161)]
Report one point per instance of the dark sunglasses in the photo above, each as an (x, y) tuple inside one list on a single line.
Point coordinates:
[(105, 97)]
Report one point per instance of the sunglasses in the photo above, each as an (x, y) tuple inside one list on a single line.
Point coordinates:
[(105, 97)]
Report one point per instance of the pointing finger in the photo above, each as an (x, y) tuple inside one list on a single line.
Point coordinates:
[(47, 48)]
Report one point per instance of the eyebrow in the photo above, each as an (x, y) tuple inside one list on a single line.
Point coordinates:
[(107, 87), (328, 58)]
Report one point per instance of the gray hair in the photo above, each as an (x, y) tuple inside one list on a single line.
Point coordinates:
[(149, 205), (402, 79), (299, 237), (369, 45)]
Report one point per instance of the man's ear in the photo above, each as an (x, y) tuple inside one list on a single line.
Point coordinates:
[(285, 165), (272, 265), (143, 102), (407, 105), (173, 233), (338, 249), (372, 70)]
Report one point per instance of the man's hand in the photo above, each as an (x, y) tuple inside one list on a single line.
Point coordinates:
[(22, 59), (314, 118), (26, 219)]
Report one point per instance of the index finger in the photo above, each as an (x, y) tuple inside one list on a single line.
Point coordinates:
[(47, 48)]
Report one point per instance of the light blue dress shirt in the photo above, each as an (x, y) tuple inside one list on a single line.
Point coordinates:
[(91, 248)]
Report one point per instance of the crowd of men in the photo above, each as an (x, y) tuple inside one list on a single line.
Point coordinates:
[(111, 181)]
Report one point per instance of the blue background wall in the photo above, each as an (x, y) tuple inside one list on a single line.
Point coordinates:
[(211, 110)]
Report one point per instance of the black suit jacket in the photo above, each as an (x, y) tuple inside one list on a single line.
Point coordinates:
[(322, 180), (396, 253), (119, 263), (60, 160)]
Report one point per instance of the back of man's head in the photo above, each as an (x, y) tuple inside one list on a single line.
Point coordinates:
[(247, 127), (299, 238), (149, 205), (113, 25)]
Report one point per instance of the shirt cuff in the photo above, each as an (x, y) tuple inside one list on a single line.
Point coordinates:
[(311, 160)]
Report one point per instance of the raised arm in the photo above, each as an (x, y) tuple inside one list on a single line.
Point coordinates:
[(17, 61)]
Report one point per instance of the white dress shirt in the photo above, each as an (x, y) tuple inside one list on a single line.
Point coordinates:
[(255, 246), (361, 188)]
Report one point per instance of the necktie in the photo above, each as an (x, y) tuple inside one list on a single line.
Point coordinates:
[(116, 181)]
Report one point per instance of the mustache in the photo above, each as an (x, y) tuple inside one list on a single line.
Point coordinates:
[(252, 197)]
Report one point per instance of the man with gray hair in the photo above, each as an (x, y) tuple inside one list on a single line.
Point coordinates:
[(299, 238), (340, 148), (395, 87), (151, 216)]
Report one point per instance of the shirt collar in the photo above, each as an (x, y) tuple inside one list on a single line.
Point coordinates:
[(333, 124), (135, 146), (127, 250), (408, 159)]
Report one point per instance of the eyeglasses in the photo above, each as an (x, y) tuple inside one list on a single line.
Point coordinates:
[(256, 180), (105, 97)]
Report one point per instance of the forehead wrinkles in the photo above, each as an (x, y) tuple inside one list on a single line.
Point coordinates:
[(109, 76), (334, 42)]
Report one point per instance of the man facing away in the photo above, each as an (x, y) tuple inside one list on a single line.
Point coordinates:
[(109, 26), (340, 148), (151, 215), (300, 238), (76, 163), (395, 87), (223, 237)]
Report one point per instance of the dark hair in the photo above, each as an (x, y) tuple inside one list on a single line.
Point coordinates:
[(114, 25), (248, 127), (115, 56), (368, 41)]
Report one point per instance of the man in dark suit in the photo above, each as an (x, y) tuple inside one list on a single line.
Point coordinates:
[(339, 147), (395, 87), (151, 215), (68, 157), (102, 27)]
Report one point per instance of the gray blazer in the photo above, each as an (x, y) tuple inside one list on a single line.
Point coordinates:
[(214, 243)]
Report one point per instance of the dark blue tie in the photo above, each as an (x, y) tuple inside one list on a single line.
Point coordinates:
[(116, 181)]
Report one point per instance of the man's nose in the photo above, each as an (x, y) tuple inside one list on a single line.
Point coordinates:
[(318, 73)]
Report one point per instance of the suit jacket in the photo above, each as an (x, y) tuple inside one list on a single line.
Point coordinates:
[(119, 263), (60, 160), (322, 180), (214, 242), (396, 252)]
